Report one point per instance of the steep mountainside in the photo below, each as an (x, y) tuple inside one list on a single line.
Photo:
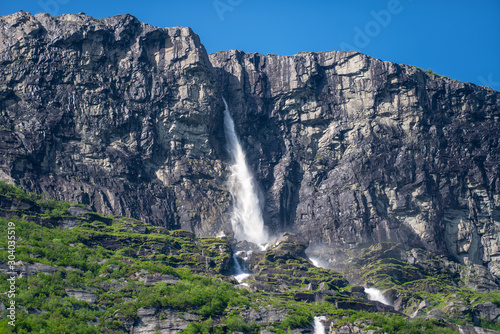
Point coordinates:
[(78, 271), (351, 150), (348, 150), (113, 113)]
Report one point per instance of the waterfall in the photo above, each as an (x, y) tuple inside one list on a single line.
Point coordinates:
[(240, 272), (376, 295), (314, 261), (319, 327), (246, 217), (317, 262)]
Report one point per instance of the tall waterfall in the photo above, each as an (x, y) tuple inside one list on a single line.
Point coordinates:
[(246, 217)]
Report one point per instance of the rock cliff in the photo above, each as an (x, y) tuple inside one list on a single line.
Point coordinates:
[(352, 150), (348, 150), (113, 113)]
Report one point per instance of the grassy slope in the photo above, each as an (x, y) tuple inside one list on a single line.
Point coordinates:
[(104, 255)]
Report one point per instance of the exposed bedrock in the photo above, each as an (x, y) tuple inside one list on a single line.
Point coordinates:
[(347, 150), (351, 150)]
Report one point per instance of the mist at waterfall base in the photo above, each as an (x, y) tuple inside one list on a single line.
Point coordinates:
[(246, 219), (377, 295)]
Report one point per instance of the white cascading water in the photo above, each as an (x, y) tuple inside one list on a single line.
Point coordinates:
[(246, 218), (376, 295), (319, 327), (240, 272), (317, 262)]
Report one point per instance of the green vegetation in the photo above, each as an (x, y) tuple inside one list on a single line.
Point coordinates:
[(78, 266), (431, 72), (124, 268), (104, 252), (206, 296), (396, 324), (299, 317)]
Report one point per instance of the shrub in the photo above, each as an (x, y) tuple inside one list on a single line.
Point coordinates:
[(300, 317)]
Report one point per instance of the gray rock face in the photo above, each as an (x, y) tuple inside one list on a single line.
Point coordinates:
[(25, 269), (265, 315), (348, 150), (151, 320), (82, 295), (112, 113), (158, 278), (352, 150), (475, 330), (488, 311)]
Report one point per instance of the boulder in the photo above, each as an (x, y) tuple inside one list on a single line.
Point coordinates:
[(488, 311), (85, 295)]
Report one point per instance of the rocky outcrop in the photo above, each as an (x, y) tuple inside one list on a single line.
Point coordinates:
[(25, 269), (84, 295), (488, 311), (284, 267), (348, 150), (265, 315), (151, 320), (475, 330)]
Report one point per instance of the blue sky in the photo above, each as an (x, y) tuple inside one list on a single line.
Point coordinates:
[(459, 39)]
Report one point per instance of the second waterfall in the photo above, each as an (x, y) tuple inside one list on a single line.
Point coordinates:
[(246, 218)]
